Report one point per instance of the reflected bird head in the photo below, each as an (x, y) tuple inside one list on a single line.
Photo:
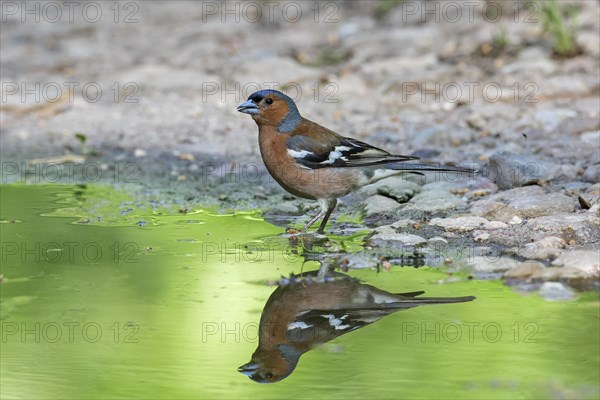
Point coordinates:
[(272, 365)]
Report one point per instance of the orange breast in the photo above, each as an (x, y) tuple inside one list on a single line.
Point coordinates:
[(302, 182)]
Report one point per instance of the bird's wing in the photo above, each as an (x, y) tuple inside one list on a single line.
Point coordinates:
[(320, 326), (338, 151)]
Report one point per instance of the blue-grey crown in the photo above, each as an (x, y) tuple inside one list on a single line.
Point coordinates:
[(292, 119)]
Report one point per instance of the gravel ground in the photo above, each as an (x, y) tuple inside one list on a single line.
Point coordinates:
[(145, 93)]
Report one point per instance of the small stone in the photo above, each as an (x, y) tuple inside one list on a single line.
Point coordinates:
[(515, 220), (556, 291), (403, 223), (548, 204), (437, 239), (396, 187), (592, 173), (459, 224), (481, 236), (379, 205), (284, 208), (490, 209), (583, 228), (493, 264), (551, 242), (493, 225), (525, 270), (395, 240), (430, 201), (509, 170)]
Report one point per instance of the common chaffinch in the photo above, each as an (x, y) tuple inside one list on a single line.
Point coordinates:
[(305, 311), (313, 162)]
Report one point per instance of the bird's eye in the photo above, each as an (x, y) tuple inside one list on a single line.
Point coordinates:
[(269, 101), (268, 374)]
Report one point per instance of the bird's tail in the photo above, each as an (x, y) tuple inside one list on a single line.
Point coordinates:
[(411, 299), (418, 168)]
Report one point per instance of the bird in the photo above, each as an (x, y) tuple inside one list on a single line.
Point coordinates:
[(313, 162), (305, 311)]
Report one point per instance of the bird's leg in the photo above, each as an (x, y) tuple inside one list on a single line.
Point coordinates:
[(331, 203), (312, 221), (327, 206), (323, 270)]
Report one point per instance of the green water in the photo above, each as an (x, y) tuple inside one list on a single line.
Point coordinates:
[(104, 297)]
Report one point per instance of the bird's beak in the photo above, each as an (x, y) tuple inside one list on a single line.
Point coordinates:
[(248, 107), (248, 369)]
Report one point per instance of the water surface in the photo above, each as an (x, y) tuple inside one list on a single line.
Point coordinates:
[(106, 297)]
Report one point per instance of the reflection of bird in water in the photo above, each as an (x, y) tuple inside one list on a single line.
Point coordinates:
[(305, 311)]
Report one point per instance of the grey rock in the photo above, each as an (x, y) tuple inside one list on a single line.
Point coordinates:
[(431, 201), (592, 173), (449, 186), (536, 206), (396, 187), (556, 291), (575, 188), (581, 228), (403, 223), (459, 224), (493, 225), (389, 238), (525, 271), (587, 261), (517, 193), (594, 190), (284, 208), (481, 236), (549, 119), (591, 137), (494, 210), (509, 170), (379, 205), (438, 240), (482, 264)]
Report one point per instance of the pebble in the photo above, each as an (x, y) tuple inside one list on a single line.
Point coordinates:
[(482, 264), (493, 225), (516, 220), (509, 170), (459, 224), (525, 271), (392, 239), (583, 228), (379, 205), (431, 201), (538, 205), (481, 236), (396, 187)]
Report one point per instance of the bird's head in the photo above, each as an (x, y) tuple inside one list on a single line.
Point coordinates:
[(272, 108), (269, 366)]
